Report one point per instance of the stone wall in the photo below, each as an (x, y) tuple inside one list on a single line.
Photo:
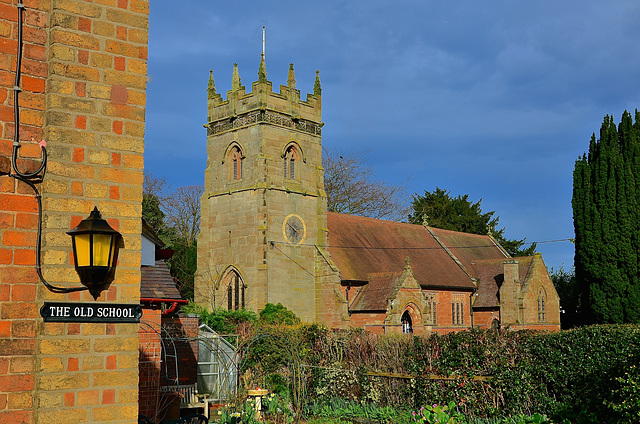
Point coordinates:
[(83, 82)]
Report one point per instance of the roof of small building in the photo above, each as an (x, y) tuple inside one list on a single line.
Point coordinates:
[(490, 274), (361, 246), (156, 282), (373, 296)]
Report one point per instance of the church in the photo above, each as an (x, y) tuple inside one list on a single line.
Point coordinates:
[(266, 235)]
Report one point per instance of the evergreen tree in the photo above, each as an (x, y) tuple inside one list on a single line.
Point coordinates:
[(440, 210), (606, 221)]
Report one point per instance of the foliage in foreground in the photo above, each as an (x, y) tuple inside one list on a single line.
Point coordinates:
[(583, 375)]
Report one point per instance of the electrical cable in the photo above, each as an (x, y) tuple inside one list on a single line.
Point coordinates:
[(31, 178)]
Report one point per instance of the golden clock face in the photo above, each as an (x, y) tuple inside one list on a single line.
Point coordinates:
[(294, 229)]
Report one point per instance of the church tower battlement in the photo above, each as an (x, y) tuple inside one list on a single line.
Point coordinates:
[(264, 208), (262, 104)]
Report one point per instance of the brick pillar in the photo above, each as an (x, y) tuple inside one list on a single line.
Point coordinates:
[(84, 81)]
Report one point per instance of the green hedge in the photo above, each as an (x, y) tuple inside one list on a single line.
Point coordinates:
[(583, 375)]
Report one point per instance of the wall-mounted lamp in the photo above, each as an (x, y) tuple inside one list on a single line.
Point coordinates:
[(95, 251)]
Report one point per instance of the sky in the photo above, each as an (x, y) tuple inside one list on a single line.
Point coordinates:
[(493, 99)]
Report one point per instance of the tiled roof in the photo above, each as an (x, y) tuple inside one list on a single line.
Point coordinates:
[(469, 248), (361, 246), (491, 275), (157, 283), (373, 296)]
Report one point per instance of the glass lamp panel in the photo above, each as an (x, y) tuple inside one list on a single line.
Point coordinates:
[(101, 249), (83, 244)]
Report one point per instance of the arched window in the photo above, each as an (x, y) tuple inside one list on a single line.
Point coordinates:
[(235, 156), (235, 291), (542, 306), (407, 324), (291, 156)]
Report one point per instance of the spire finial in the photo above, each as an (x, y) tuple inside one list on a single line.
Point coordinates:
[(263, 31), (235, 80), (291, 79), (211, 88), (317, 90)]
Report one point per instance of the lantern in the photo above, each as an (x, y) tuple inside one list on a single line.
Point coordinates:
[(95, 251)]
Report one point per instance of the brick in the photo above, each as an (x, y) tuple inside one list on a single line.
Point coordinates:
[(63, 381), (51, 364), (23, 292), (119, 95), (117, 127), (78, 152), (16, 416), (18, 310), (79, 8), (6, 256), (77, 189), (72, 415), (84, 24), (81, 89), (16, 383), (35, 85), (119, 63), (27, 221), (116, 344), (128, 19), (73, 364), (79, 72), (49, 400), (25, 257), (108, 397), (99, 157), (106, 29), (57, 346), (114, 192), (133, 161), (88, 397), (124, 79), (19, 401), (13, 202), (35, 52), (19, 238), (5, 331), (23, 364), (69, 399)]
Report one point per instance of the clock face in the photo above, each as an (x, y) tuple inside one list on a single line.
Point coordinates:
[(294, 229)]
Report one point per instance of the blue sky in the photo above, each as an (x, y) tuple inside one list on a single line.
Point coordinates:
[(493, 99)]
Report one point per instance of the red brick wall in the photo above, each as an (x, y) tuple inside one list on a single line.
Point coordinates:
[(83, 82), (18, 217)]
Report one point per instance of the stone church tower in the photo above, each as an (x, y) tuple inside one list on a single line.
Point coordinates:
[(264, 221)]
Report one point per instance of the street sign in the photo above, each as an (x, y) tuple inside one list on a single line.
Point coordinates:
[(91, 312)]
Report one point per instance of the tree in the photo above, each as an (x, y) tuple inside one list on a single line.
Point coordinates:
[(352, 188), (439, 209), (606, 218), (154, 192), (565, 284), (175, 217)]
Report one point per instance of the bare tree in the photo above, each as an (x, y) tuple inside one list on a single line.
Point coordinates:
[(182, 210), (352, 188)]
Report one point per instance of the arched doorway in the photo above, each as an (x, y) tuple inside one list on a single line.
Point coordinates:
[(407, 323)]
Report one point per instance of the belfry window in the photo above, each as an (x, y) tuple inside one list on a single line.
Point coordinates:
[(236, 163), (235, 291), (542, 306), (290, 158)]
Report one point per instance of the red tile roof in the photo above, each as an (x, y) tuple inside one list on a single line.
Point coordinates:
[(373, 296), (361, 246), (491, 275), (157, 283)]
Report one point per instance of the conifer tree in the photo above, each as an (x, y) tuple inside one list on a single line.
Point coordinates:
[(606, 186)]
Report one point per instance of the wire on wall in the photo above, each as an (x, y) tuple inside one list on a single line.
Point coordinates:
[(35, 177)]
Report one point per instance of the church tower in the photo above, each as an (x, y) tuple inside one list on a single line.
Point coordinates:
[(264, 206)]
